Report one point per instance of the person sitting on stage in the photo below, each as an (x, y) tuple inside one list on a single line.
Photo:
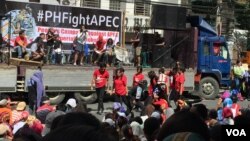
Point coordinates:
[(57, 51), (20, 44), (37, 50), (99, 49), (109, 54)]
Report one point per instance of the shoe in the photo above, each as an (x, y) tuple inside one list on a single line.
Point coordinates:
[(74, 64), (98, 113), (81, 64)]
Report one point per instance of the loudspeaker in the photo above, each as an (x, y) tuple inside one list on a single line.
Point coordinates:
[(160, 60), (168, 17), (3, 9)]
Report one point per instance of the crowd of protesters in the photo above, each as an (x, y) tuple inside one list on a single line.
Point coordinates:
[(160, 118)]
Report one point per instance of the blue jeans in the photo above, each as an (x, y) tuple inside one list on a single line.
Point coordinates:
[(20, 52)]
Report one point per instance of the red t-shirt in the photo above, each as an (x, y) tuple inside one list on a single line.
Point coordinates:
[(101, 79), (137, 78), (23, 39), (100, 45), (172, 85), (180, 79), (120, 85), (151, 87)]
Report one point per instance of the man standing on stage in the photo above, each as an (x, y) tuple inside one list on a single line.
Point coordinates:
[(137, 45), (100, 79)]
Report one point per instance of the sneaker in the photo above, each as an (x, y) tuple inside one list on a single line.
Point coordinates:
[(99, 113), (74, 64), (81, 64)]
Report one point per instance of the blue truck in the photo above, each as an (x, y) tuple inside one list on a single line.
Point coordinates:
[(214, 61)]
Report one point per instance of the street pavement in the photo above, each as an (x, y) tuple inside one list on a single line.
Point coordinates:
[(211, 104)]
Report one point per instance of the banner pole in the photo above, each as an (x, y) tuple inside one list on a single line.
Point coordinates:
[(123, 28)]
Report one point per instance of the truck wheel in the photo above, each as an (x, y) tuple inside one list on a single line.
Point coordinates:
[(56, 98), (88, 97), (209, 88)]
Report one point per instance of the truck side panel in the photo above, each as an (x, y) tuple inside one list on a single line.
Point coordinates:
[(78, 79), (8, 79)]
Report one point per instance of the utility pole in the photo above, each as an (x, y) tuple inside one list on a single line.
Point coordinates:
[(218, 26)]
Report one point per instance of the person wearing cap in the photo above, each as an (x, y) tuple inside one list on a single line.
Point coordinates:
[(16, 114), (4, 132), (5, 112), (101, 81), (20, 44), (44, 110), (70, 105)]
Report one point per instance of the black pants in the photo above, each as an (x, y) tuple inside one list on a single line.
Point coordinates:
[(32, 97), (100, 93), (148, 101), (124, 99)]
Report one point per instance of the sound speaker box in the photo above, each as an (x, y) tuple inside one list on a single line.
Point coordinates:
[(168, 17)]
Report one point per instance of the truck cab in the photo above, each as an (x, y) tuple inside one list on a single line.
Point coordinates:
[(213, 58)]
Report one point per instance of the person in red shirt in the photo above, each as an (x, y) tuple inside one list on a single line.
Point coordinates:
[(120, 89), (99, 49), (138, 76), (179, 83), (21, 43), (100, 79), (44, 110), (152, 85)]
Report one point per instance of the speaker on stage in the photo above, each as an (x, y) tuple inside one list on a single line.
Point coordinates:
[(168, 17)]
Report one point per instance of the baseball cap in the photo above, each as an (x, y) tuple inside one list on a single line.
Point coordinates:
[(3, 102), (21, 106), (71, 102)]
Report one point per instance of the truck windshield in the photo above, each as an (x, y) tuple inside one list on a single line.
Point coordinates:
[(220, 50)]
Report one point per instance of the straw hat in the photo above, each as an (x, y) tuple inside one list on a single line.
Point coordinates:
[(3, 129), (21, 106)]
